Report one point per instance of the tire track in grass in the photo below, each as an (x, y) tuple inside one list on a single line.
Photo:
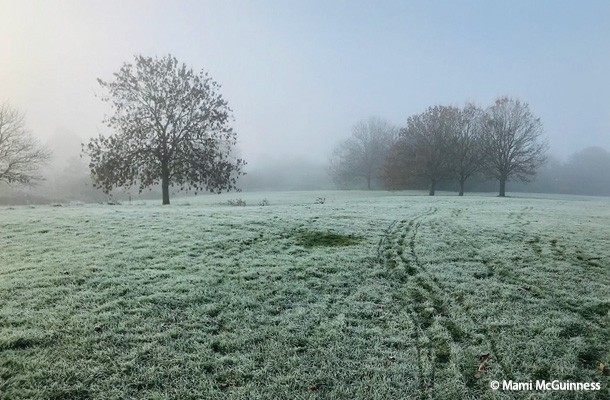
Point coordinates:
[(439, 289), (386, 255), (596, 327), (383, 240), (440, 347), (549, 298), (534, 246), (437, 344), (420, 328), (575, 258), (434, 348), (432, 352)]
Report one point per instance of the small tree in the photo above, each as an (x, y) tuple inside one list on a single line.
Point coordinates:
[(362, 156), (466, 152), (428, 138), (171, 127), (20, 154), (512, 142)]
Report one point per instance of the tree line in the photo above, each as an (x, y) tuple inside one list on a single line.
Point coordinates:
[(171, 127), (503, 142)]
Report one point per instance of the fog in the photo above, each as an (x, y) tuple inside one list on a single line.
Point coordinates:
[(299, 74)]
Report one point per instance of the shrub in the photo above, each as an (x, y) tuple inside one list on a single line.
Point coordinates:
[(236, 203)]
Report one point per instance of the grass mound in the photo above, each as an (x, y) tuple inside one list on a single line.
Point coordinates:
[(325, 239)]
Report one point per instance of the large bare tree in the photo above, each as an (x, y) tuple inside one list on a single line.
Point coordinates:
[(467, 154), (21, 156), (171, 127), (361, 157), (512, 142), (427, 142)]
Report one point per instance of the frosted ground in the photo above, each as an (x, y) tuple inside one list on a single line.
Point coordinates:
[(370, 295)]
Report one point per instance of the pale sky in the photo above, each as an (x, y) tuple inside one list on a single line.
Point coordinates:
[(299, 74)]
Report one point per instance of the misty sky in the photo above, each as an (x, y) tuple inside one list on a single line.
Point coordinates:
[(299, 74)]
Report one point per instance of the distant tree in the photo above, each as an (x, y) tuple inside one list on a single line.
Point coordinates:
[(512, 142), (427, 144), (586, 172), (171, 127), (21, 156), (361, 157), (466, 152)]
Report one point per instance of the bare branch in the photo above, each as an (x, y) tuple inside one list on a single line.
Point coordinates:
[(512, 141), (21, 155), (361, 157)]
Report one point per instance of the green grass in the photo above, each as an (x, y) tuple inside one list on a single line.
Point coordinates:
[(368, 296), (325, 239)]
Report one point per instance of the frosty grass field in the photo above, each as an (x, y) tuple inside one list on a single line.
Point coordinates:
[(371, 295)]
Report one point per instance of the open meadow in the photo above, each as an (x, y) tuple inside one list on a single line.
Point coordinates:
[(365, 295)]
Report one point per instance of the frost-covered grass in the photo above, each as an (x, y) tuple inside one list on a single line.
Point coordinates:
[(369, 295)]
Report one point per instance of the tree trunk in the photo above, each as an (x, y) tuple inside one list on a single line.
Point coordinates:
[(502, 187), (462, 187), (368, 182), (165, 182), (432, 187)]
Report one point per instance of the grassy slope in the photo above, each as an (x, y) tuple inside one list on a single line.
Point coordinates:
[(210, 301)]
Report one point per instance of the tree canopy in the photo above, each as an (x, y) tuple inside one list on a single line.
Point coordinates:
[(512, 142), (466, 153), (426, 143), (171, 126)]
